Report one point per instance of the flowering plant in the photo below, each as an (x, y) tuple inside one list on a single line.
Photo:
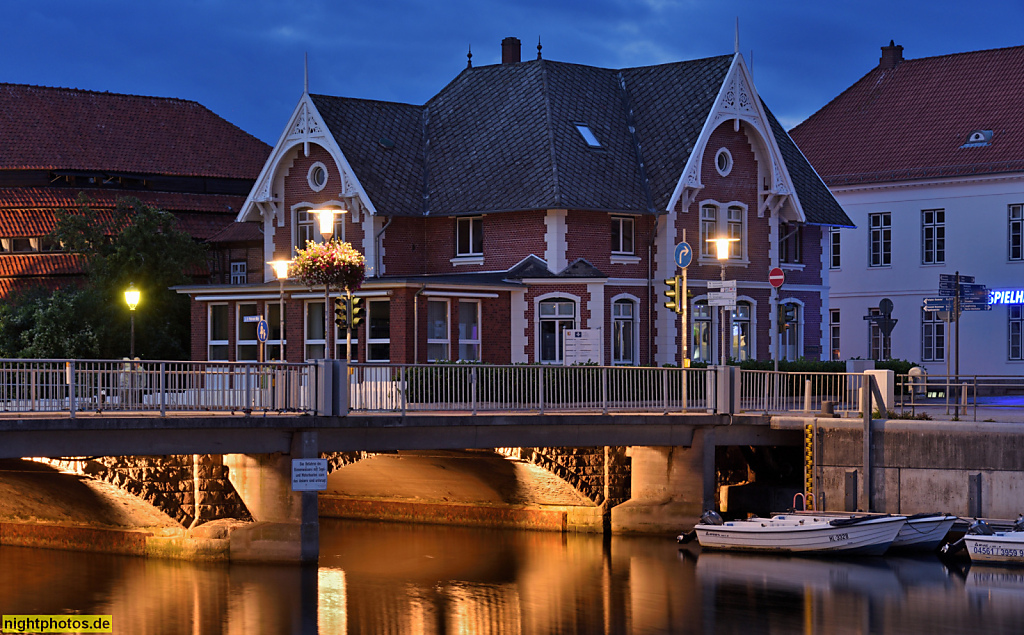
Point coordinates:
[(333, 264)]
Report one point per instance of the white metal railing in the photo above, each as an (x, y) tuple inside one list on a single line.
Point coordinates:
[(530, 388), (121, 385), (959, 395), (776, 392)]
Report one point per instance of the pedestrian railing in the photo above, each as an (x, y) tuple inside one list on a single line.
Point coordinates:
[(131, 386), (959, 396), (777, 392), (528, 388)]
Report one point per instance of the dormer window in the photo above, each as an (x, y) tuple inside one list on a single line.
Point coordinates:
[(978, 139), (588, 135)]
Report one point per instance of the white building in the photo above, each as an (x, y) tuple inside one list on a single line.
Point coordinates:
[(927, 158)]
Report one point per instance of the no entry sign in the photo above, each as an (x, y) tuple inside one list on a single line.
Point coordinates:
[(776, 277)]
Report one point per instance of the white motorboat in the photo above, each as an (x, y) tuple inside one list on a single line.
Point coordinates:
[(803, 534), (921, 532), (999, 547)]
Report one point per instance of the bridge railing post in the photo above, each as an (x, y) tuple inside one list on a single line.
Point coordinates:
[(540, 388), (71, 387), (604, 390), (664, 390), (472, 387), (163, 389)]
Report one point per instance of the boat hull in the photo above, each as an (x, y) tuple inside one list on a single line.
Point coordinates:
[(802, 536), (1006, 548), (925, 533)]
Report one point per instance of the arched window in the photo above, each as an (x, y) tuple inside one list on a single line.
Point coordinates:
[(742, 338), (555, 316), (790, 319), (623, 332), (701, 346)]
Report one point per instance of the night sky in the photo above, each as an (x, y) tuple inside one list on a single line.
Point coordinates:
[(244, 60)]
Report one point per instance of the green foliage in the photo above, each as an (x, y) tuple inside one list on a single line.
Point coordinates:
[(902, 414), (133, 243)]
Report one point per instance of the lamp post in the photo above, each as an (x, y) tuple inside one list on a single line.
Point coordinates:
[(722, 254), (280, 268), (325, 224), (131, 297)]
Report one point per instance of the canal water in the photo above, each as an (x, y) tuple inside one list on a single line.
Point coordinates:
[(398, 578)]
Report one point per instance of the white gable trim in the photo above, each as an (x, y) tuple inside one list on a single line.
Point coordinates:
[(738, 101), (304, 127)]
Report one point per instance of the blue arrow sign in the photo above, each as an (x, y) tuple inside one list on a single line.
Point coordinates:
[(683, 255)]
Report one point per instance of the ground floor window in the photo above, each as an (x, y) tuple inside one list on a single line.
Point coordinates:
[(623, 332), (341, 342), (274, 337), (933, 337), (789, 331), (438, 333), (469, 330), (218, 330), (1016, 325), (378, 327), (316, 344), (701, 347), (247, 347), (742, 337), (878, 344), (833, 334), (556, 316)]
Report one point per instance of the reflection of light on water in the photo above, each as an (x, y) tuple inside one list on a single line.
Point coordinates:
[(333, 611), (484, 608)]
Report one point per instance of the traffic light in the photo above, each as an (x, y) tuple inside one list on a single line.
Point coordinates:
[(787, 313), (673, 293), (355, 311), (341, 313)]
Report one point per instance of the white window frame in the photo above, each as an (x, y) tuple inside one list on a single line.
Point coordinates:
[(558, 319), (474, 250), (622, 222), (308, 225), (210, 342), (879, 240), (933, 337), (1015, 333), (468, 341), (306, 340), (784, 332), (370, 342), (933, 237), (239, 325), (699, 324), (634, 303), (313, 185), (445, 341), (238, 272), (835, 248), (751, 335), (723, 225), (1015, 232), (791, 235), (834, 335)]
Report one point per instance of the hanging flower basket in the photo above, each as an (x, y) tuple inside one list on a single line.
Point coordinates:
[(334, 264)]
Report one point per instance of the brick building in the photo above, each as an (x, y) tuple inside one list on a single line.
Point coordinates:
[(530, 197), (169, 153)]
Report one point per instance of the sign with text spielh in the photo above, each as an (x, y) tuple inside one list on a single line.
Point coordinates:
[(581, 346), (309, 475), (726, 294)]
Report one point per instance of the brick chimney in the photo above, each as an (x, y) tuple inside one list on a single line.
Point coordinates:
[(892, 55), (511, 51)]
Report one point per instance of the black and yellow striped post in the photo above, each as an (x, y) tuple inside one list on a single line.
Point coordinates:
[(809, 494)]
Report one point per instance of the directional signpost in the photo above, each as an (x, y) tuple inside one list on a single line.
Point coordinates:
[(957, 293), (683, 255)]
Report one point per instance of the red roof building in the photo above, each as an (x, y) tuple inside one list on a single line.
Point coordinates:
[(927, 158), (55, 143)]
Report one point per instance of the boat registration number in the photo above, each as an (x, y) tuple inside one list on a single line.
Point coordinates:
[(993, 550), (838, 537)]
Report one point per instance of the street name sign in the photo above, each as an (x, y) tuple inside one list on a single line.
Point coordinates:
[(251, 318), (951, 278)]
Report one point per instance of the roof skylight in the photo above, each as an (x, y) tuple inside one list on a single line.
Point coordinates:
[(588, 135), (978, 139)]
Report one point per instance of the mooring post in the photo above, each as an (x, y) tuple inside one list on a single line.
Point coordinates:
[(865, 405)]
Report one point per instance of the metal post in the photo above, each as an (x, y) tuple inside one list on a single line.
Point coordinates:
[(664, 388), (327, 321), (71, 387), (956, 316), (540, 388), (132, 356), (163, 389), (472, 388), (722, 314), (604, 390), (280, 319)]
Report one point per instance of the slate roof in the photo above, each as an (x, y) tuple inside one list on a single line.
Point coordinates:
[(70, 129), (533, 267), (909, 122), (238, 233)]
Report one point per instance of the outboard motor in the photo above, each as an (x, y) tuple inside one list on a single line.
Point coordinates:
[(980, 528), (711, 517), (1018, 525)]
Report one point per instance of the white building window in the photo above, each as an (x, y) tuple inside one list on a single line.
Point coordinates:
[(835, 260), (701, 348), (833, 335), (218, 331), (742, 337), (622, 235), (247, 347), (718, 221), (1016, 327), (469, 330), (438, 333), (316, 344), (933, 337), (624, 333), (469, 236), (556, 315), (790, 319), (933, 236), (880, 239), (273, 344), (879, 347), (378, 326), (238, 272), (1015, 231), (305, 228), (790, 243)]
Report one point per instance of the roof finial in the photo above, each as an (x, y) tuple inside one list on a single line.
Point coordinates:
[(737, 35), (469, 57), (305, 74), (538, 47)]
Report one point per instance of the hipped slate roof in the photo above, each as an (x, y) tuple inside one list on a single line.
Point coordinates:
[(503, 138), (69, 129), (909, 122)]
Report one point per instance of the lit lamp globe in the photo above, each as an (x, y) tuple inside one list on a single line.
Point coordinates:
[(131, 297)]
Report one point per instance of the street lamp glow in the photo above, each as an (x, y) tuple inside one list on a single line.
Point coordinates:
[(325, 220), (280, 268), (722, 246), (131, 296)]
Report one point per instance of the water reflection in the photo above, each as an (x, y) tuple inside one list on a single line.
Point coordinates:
[(392, 578)]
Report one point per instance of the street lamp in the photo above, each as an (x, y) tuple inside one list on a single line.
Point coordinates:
[(325, 224), (722, 246), (280, 268), (131, 297)]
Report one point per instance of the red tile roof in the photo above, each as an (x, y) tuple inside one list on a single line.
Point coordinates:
[(63, 128), (29, 265), (909, 122)]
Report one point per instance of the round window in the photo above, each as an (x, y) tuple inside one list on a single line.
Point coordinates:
[(723, 162), (317, 176)]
